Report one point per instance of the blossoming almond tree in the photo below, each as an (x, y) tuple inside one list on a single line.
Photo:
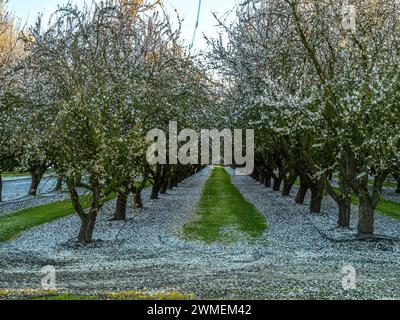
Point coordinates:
[(329, 93), (102, 77), (357, 73), (98, 61)]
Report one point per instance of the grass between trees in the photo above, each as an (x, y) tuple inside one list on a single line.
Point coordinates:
[(222, 212), (386, 184), (386, 207)]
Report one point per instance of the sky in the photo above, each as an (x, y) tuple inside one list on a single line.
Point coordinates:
[(27, 11)]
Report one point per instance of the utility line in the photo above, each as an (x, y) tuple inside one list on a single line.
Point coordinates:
[(197, 24)]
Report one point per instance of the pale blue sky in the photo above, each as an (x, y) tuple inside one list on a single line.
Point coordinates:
[(27, 11)]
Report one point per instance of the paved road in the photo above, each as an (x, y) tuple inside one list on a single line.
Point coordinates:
[(18, 187)]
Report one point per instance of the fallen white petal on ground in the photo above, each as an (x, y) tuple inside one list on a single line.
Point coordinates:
[(147, 252)]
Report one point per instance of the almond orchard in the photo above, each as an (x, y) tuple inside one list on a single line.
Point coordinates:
[(305, 93)]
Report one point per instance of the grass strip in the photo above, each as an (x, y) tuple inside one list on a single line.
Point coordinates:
[(15, 174), (29, 294), (385, 207), (222, 211)]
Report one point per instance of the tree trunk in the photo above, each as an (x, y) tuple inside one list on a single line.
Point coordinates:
[(317, 193), (120, 210), (34, 184), (344, 202), (155, 191), (88, 220), (59, 184), (301, 194), (366, 217), (288, 185), (268, 181), (37, 175), (256, 176), (164, 188), (170, 184), (344, 212), (277, 184), (87, 226), (1, 188), (398, 186), (137, 199)]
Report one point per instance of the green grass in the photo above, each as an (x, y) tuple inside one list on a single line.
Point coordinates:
[(66, 297), (389, 208), (386, 184), (12, 174), (13, 224), (386, 207), (15, 174), (30, 294), (222, 212)]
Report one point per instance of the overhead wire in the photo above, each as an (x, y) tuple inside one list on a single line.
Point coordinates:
[(197, 24)]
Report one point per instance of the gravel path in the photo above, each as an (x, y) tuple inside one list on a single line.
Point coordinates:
[(312, 262), (147, 253)]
